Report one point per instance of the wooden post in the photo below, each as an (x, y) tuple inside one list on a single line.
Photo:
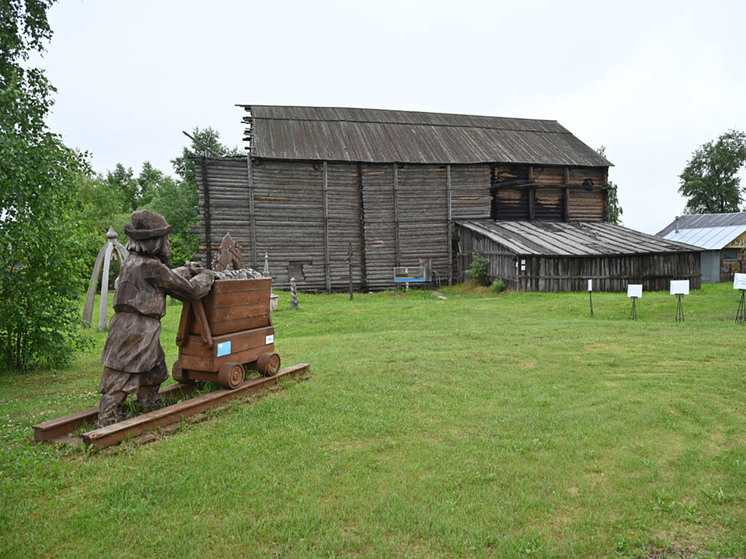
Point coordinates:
[(449, 240), (325, 191), (396, 215), (566, 196), (206, 212), (361, 220), (349, 260), (293, 294), (252, 209)]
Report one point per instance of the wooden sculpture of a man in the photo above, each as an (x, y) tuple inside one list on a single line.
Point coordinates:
[(133, 359)]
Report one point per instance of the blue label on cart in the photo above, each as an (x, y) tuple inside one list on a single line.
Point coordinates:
[(224, 349)]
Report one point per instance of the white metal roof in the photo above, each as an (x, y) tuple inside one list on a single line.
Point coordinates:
[(708, 238)]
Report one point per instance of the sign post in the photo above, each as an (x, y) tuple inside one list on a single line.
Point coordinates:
[(634, 292), (590, 294), (739, 282), (680, 288)]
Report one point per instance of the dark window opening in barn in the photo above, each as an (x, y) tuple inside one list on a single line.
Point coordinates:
[(730, 254), (295, 270)]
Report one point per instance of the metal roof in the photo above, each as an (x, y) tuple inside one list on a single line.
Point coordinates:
[(707, 231), (708, 238), (385, 136), (554, 238)]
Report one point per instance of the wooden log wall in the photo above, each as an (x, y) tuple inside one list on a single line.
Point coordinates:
[(571, 274), (223, 204), (308, 215), (470, 192), (381, 250)]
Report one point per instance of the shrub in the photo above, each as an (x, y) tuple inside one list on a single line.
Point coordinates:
[(499, 286), (479, 269)]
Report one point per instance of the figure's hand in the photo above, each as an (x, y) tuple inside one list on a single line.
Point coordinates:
[(195, 268)]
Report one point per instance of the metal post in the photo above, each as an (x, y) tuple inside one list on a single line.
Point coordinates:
[(741, 314), (633, 312)]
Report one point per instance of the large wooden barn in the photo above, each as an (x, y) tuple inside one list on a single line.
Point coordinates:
[(326, 191)]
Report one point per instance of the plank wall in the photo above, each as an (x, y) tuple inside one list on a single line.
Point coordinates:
[(571, 274)]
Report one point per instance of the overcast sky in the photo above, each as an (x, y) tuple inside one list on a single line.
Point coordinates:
[(651, 81)]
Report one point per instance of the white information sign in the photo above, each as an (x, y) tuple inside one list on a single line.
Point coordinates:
[(680, 287), (634, 290), (590, 285), (739, 281)]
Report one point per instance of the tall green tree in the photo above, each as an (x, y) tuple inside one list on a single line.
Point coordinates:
[(122, 181), (40, 252), (615, 208), (710, 179)]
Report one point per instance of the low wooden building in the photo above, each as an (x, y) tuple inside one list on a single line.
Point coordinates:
[(329, 192), (563, 256)]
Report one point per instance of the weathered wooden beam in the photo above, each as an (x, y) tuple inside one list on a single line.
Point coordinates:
[(449, 217), (206, 214), (252, 210), (54, 429), (397, 251), (325, 197), (129, 428)]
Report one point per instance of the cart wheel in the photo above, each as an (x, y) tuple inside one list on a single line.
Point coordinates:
[(230, 375), (178, 373), (268, 364)]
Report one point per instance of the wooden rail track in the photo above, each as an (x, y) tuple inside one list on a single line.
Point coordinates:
[(59, 430)]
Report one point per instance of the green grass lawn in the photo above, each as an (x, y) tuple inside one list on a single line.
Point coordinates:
[(483, 425)]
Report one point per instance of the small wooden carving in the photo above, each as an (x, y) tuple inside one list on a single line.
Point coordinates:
[(229, 254)]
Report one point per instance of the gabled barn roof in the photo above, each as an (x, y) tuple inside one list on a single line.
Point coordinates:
[(707, 231), (581, 238), (383, 136)]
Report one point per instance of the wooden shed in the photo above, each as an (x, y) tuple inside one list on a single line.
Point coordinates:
[(559, 256), (328, 191)]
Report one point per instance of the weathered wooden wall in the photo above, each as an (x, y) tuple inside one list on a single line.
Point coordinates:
[(526, 193), (308, 216), (571, 273)]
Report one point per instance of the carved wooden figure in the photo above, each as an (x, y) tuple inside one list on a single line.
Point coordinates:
[(133, 359)]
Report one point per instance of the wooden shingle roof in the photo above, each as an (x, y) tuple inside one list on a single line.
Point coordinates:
[(384, 136), (581, 238)]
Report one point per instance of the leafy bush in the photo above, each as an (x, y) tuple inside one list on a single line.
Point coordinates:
[(479, 269), (499, 285)]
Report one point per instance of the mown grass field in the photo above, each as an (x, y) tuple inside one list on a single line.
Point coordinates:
[(483, 425)]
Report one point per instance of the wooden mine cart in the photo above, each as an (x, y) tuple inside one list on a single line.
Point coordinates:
[(227, 331)]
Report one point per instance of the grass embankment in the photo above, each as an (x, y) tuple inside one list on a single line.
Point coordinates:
[(477, 426)]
